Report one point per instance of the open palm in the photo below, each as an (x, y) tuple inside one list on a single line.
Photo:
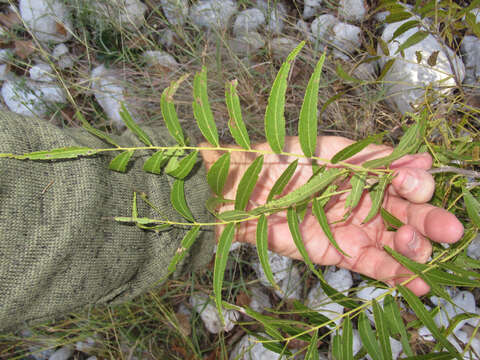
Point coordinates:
[(405, 198)]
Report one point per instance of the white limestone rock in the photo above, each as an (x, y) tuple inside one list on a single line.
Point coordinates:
[(213, 14), (30, 98), (464, 302), (248, 21), (109, 90), (259, 300), (281, 47), (303, 28), (4, 72), (285, 274), (175, 11), (127, 13), (160, 58), (59, 50), (167, 37), (275, 13), (247, 44), (406, 80), (311, 7), (64, 353), (341, 280), (63, 57), (65, 62), (322, 28), (209, 314), (473, 249), (352, 10), (369, 293), (366, 71), (49, 20), (249, 348), (41, 72), (87, 346), (471, 56), (345, 39)]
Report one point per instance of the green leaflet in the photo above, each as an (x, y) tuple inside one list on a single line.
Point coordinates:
[(337, 348), (436, 275), (120, 162), (177, 198), (317, 183), (376, 195), (292, 220), (308, 123), (270, 328), (404, 27), (368, 337), (435, 356), (169, 113), (345, 76), (395, 323), (357, 181), (426, 319), (274, 114), (100, 134), (382, 330), (235, 123), (221, 258), (473, 207), (355, 148), (201, 108), (397, 16), (412, 40), (217, 175), (132, 125), (386, 68), (155, 162), (390, 219), (262, 249), (282, 181), (247, 183), (312, 351), (184, 166), (185, 245), (232, 215), (319, 213), (60, 153), (347, 339)]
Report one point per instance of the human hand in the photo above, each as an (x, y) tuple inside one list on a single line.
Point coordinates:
[(406, 198)]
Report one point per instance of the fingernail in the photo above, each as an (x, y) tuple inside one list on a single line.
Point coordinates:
[(409, 184), (413, 244)]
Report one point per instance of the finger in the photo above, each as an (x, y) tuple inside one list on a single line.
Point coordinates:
[(436, 224), (374, 262), (420, 161), (413, 184), (408, 242)]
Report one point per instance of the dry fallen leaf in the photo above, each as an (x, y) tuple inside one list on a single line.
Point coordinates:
[(184, 323), (9, 19), (24, 48), (61, 29)]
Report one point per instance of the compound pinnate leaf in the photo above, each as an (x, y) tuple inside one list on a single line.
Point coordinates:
[(282, 181), (221, 257), (217, 175), (155, 162), (132, 125), (201, 108), (376, 195), (184, 166), (177, 198), (368, 337), (169, 113), (308, 124), (382, 330), (247, 183), (427, 319), (262, 248), (185, 245), (319, 213), (120, 162), (235, 123), (274, 114)]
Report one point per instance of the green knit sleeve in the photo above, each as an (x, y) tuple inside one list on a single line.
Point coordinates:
[(60, 247)]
